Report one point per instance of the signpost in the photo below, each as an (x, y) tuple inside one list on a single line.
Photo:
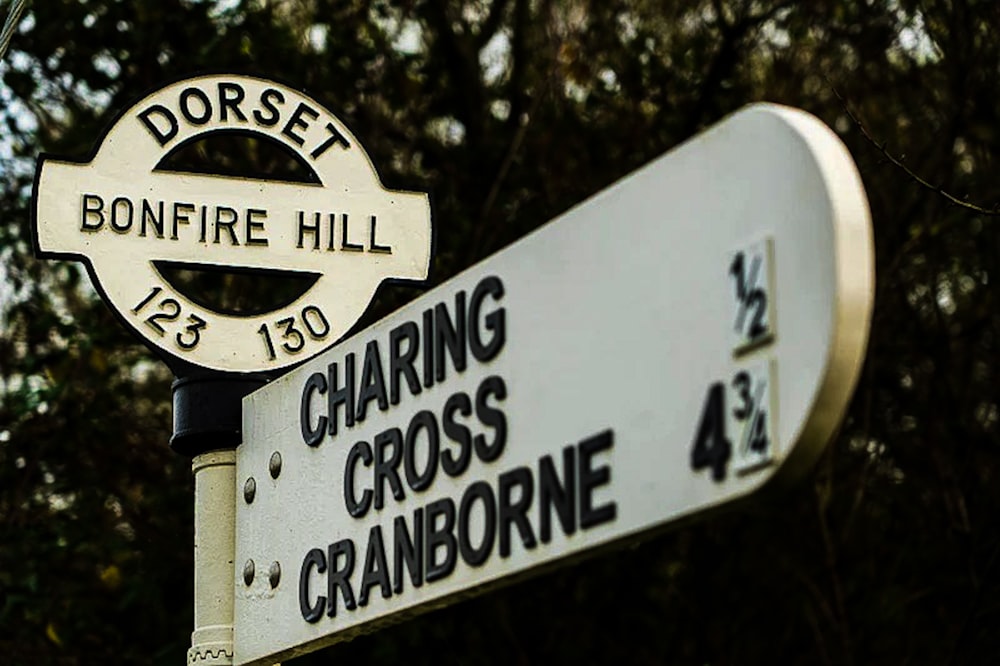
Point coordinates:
[(128, 220), (676, 343)]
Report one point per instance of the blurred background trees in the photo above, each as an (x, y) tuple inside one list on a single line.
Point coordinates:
[(509, 112)]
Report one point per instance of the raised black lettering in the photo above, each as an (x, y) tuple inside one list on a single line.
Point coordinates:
[(450, 334), (185, 104), (428, 338), (267, 100), (339, 577), (408, 551), (344, 244), (372, 382), (387, 466), (492, 417), (230, 97), (149, 216), (476, 556), (116, 205), (203, 223), (334, 138), (438, 536), (341, 395), (93, 205), (315, 559), (312, 436), (162, 134), (560, 496), (495, 321), (304, 229), (255, 222), (295, 120), (376, 569), (231, 218), (401, 363), (360, 451), (373, 246), (181, 211), (591, 478), (456, 465), (422, 420), (513, 512)]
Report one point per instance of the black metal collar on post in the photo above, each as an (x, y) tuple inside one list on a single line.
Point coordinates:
[(208, 412)]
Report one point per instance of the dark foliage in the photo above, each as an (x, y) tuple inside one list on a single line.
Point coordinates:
[(509, 112)]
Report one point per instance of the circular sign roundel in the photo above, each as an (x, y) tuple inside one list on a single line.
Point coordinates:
[(127, 220)]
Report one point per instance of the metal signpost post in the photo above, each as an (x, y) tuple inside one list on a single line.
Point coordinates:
[(680, 341), (677, 342)]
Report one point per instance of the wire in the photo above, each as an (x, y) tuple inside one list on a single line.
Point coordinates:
[(8, 27)]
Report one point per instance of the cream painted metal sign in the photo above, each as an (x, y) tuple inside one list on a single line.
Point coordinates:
[(125, 219), (675, 343)]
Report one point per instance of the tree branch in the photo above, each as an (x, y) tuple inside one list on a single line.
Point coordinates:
[(922, 182)]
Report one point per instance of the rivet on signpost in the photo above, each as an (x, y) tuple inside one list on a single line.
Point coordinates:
[(249, 490), (128, 220), (274, 574), (249, 570)]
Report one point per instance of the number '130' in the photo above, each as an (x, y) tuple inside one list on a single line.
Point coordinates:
[(289, 331)]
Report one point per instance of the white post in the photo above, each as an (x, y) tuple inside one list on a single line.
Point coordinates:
[(214, 550)]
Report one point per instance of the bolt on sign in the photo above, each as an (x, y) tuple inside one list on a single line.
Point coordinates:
[(677, 342), (127, 219)]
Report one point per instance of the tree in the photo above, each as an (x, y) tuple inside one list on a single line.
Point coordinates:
[(509, 112)]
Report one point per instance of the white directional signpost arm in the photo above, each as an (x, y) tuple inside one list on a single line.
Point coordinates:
[(682, 340)]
